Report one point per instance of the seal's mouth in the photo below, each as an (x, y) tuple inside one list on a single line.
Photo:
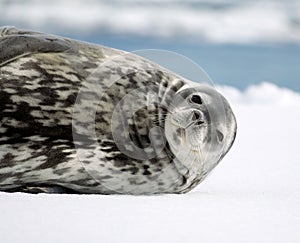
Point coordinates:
[(187, 118), (195, 123)]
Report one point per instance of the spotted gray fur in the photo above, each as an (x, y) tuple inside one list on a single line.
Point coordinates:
[(41, 77)]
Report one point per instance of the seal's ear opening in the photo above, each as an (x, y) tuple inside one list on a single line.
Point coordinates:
[(230, 127), (220, 136)]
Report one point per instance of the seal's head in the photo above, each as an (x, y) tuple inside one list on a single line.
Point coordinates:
[(200, 128)]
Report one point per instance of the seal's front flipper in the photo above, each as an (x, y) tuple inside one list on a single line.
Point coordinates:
[(44, 189), (16, 43)]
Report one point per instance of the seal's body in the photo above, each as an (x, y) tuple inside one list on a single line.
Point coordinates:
[(69, 121)]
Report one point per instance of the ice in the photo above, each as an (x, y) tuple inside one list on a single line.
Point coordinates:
[(252, 196), (200, 21)]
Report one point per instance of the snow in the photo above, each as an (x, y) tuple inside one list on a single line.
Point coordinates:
[(242, 21), (252, 196)]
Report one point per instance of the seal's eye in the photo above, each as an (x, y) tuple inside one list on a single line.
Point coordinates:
[(220, 136), (196, 99)]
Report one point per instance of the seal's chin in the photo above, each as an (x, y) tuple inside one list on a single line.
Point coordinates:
[(187, 151), (191, 132), (189, 137)]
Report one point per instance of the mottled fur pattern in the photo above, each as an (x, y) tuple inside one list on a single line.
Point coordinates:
[(41, 77)]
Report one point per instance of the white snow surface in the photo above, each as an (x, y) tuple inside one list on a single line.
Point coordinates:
[(252, 196), (243, 22)]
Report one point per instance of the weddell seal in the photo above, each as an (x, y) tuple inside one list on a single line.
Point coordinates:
[(84, 118)]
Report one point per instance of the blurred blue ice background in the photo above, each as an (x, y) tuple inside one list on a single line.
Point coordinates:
[(237, 42)]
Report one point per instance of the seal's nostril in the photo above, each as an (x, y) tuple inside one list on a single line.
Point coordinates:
[(196, 115), (198, 123)]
